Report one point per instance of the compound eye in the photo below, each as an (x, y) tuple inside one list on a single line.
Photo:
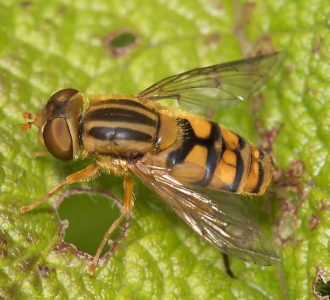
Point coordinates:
[(57, 139)]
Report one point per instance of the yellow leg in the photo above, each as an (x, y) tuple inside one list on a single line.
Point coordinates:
[(81, 175), (128, 206)]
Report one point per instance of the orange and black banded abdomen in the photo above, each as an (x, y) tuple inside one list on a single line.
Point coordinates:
[(210, 155)]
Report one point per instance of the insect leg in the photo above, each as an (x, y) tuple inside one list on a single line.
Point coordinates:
[(81, 175), (227, 265), (128, 206)]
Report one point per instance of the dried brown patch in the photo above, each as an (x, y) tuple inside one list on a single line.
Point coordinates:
[(26, 4), (29, 239), (248, 8), (212, 39), (43, 271), (317, 45), (26, 265), (3, 253), (3, 240), (264, 45), (289, 69), (313, 221), (268, 137), (291, 194), (324, 205)]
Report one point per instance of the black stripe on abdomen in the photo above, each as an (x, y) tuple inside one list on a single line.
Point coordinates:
[(233, 187), (119, 115), (119, 133), (189, 141), (212, 154)]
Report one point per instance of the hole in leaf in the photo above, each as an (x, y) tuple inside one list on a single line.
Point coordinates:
[(85, 216), (120, 42), (322, 288), (123, 40), (321, 284)]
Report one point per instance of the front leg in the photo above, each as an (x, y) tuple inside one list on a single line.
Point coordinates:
[(82, 175)]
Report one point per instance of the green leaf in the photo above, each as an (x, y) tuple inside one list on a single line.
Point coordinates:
[(121, 47)]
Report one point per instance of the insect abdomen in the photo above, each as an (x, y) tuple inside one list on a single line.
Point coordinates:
[(210, 155), (242, 167)]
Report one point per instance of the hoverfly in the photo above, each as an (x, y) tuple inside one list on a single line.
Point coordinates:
[(195, 165)]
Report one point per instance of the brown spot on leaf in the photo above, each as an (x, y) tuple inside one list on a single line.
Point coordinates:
[(317, 45), (291, 177), (286, 227), (29, 239), (43, 271), (26, 4), (3, 253), (291, 194), (248, 8), (3, 240), (264, 45), (310, 90), (63, 9), (64, 247), (11, 291), (324, 205), (296, 169), (212, 39), (268, 137), (289, 69), (313, 221), (26, 265)]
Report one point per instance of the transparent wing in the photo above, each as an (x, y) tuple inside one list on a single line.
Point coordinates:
[(220, 218), (217, 86)]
